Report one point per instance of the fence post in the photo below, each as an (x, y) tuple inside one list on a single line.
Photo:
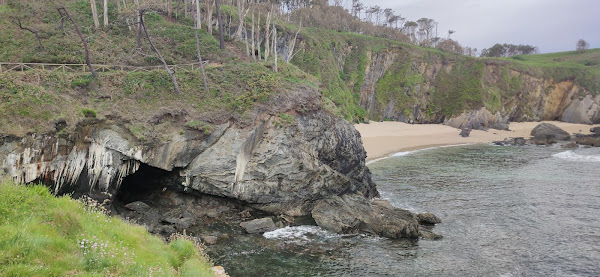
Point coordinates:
[(21, 67)]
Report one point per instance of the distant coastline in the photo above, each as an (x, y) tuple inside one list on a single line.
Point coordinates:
[(382, 139)]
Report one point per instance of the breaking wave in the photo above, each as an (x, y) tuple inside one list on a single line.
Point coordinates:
[(572, 156)]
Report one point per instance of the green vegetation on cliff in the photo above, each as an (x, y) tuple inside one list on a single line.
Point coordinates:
[(42, 235)]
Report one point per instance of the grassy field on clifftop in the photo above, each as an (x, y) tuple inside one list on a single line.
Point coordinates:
[(42, 235)]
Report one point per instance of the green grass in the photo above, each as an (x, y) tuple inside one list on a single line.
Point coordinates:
[(44, 235)]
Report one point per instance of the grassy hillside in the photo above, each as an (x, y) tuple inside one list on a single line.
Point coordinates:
[(335, 62), (42, 235)]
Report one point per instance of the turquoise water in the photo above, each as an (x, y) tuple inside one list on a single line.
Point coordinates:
[(506, 211)]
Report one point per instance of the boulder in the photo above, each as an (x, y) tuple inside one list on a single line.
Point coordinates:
[(570, 145), (595, 130), (518, 141), (209, 240), (465, 132), (138, 206), (352, 213), (589, 140), (260, 225), (428, 218), (481, 119), (429, 235), (546, 133)]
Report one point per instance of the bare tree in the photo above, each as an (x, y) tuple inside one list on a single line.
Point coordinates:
[(582, 45), (105, 13), (198, 21), (200, 59), (160, 57), (220, 22), (209, 14), (95, 14), (275, 45), (290, 49), (35, 32), (65, 13)]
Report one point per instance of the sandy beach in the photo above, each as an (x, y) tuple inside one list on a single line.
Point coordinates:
[(382, 139)]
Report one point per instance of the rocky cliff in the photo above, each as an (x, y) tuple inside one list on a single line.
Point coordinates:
[(284, 160), (395, 81)]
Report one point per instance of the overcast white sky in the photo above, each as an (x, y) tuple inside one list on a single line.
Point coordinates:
[(551, 25)]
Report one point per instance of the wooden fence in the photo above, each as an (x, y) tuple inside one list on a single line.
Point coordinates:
[(8, 67)]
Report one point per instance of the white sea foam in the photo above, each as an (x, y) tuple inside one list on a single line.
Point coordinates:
[(574, 157), (299, 233), (406, 153)]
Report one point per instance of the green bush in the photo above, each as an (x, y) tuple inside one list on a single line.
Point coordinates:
[(88, 112)]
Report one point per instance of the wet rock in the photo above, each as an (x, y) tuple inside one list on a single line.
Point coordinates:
[(546, 133), (428, 218), (429, 235), (138, 206), (260, 225), (184, 223), (589, 140), (570, 145), (352, 213), (209, 240), (518, 141), (465, 132)]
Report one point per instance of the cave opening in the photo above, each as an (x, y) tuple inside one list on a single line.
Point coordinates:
[(146, 183)]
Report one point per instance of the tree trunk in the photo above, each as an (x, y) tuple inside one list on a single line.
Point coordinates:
[(209, 13), (258, 36), (200, 59), (275, 45), (267, 36), (290, 50), (95, 14), (169, 8), (138, 39), (252, 38), (220, 22), (198, 21), (85, 46), (160, 57), (105, 13)]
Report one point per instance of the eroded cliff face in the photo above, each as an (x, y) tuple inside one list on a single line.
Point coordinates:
[(485, 94), (281, 163), (392, 81)]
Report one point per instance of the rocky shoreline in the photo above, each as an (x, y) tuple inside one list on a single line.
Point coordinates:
[(289, 161)]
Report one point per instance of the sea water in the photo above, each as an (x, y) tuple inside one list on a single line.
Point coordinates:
[(506, 211)]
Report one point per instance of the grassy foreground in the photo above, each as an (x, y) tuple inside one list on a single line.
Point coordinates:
[(44, 235)]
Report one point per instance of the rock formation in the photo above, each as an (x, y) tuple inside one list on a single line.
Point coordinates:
[(311, 165)]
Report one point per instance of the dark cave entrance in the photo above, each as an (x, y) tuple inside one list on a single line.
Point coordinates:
[(146, 183)]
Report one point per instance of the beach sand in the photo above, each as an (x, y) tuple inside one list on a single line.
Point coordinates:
[(382, 139)]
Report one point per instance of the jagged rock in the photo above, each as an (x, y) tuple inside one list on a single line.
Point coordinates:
[(546, 133), (184, 223), (428, 235), (428, 218), (352, 213), (260, 225), (138, 206), (480, 119), (590, 140), (465, 132), (209, 240), (518, 141), (570, 145)]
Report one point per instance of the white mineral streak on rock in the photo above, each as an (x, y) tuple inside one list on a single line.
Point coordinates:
[(108, 160)]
